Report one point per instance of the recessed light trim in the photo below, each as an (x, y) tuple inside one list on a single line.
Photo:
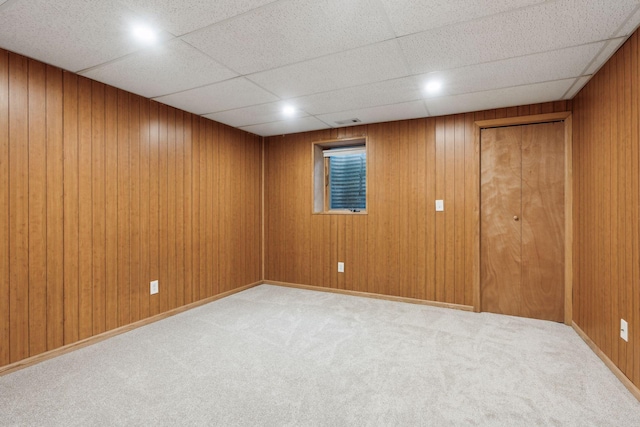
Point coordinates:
[(433, 87), (288, 111), (145, 34)]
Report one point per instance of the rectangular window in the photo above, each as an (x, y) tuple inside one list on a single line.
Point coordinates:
[(347, 176), (340, 176)]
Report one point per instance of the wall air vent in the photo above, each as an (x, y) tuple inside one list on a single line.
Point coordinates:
[(347, 122)]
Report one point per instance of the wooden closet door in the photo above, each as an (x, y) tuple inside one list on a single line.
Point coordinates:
[(500, 226), (522, 221), (543, 221)]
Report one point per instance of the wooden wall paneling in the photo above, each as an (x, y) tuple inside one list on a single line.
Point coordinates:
[(172, 283), (406, 271), (212, 266), (205, 277), (253, 212), (271, 214), (471, 210), (375, 187), (215, 206), (440, 236), (228, 167), (18, 208), (341, 248), (124, 210), (163, 207), (154, 203), (135, 284), (512, 112), (276, 199), (37, 209), (211, 217), (332, 245), (547, 107), (606, 214), (577, 239), (450, 210), (535, 109), (633, 353), (597, 323), (85, 209), (188, 208), (70, 208), (180, 218), (4, 210), (111, 185), (99, 206), (55, 206), (145, 220), (524, 110), (302, 201), (459, 213), (605, 182), (626, 302), (431, 215), (635, 328), (196, 158), (624, 226)]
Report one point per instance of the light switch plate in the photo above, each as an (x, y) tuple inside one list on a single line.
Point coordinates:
[(439, 205), (153, 287), (624, 330), (341, 267)]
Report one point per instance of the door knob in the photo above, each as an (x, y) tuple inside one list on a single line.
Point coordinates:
[(515, 218)]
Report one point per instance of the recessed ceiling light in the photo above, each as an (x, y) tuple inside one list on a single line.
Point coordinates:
[(145, 34), (289, 111), (433, 87)]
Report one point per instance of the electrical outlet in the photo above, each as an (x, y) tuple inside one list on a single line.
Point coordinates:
[(341, 267), (439, 205), (153, 287), (624, 330)]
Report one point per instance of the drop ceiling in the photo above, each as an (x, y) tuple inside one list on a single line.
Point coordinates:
[(240, 62)]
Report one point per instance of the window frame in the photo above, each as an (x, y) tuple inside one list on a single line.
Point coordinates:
[(320, 199)]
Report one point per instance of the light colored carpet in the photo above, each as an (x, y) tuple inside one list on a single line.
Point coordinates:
[(276, 356)]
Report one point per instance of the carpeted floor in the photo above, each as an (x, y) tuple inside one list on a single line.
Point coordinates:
[(275, 356)]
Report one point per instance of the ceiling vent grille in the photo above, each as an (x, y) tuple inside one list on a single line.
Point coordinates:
[(348, 121)]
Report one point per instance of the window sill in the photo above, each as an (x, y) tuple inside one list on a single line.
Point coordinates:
[(341, 212)]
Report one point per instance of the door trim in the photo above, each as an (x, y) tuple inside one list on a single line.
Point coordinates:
[(568, 201)]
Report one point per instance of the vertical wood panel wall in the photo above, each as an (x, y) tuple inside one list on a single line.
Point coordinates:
[(401, 247), (102, 191), (606, 196)]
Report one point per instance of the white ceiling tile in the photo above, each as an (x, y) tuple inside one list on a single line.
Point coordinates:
[(376, 62), (537, 68), (227, 95), (360, 97), (499, 98), (172, 67), (253, 115), (577, 86), (548, 26), (181, 17), (413, 16), (631, 25), (302, 124), (290, 31), (383, 113), (71, 34), (607, 52)]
